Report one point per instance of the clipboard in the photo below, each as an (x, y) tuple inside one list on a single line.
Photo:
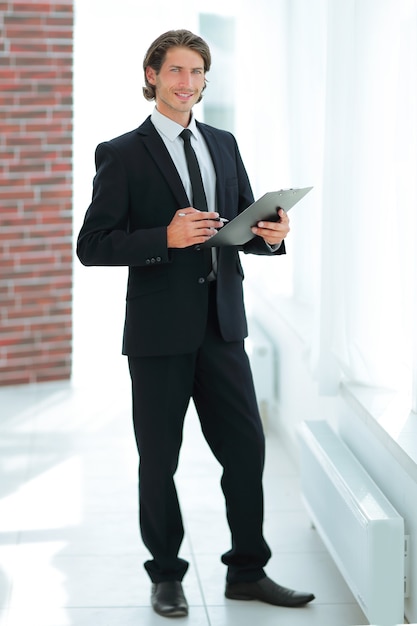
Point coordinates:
[(238, 231)]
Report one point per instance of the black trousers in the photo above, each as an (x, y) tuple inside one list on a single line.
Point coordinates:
[(219, 379)]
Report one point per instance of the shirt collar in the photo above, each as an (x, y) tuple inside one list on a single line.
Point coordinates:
[(168, 127)]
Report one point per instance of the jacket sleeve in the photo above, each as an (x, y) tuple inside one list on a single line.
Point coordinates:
[(258, 246), (105, 237)]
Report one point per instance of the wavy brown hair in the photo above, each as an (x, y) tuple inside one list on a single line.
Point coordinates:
[(156, 54)]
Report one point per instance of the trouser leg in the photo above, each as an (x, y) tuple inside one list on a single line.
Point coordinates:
[(226, 403), (160, 398)]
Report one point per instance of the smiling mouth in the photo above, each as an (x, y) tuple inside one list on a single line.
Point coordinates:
[(184, 96)]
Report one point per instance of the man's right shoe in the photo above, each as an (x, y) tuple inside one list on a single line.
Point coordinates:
[(168, 599)]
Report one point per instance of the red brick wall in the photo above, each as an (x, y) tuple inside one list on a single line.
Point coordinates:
[(36, 54)]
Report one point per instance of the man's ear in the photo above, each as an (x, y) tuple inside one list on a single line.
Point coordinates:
[(150, 75)]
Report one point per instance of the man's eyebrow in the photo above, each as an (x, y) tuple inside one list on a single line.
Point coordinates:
[(181, 67)]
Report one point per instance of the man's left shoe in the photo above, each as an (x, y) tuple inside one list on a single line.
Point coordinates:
[(168, 599), (267, 591)]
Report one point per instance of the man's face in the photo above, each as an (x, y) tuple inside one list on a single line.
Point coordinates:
[(178, 84)]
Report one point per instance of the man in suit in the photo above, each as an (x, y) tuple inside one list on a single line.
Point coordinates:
[(185, 320)]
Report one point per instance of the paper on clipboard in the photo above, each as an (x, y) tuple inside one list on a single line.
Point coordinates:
[(238, 231)]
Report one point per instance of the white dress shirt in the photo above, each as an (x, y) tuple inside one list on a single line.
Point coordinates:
[(170, 134)]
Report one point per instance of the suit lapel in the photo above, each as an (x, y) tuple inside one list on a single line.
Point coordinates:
[(216, 155), (156, 148)]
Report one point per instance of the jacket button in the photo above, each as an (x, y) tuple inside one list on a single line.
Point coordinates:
[(201, 280), (147, 261), (158, 258), (197, 248), (153, 260)]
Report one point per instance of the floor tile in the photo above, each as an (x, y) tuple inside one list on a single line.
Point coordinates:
[(45, 577), (108, 533), (98, 616), (291, 531), (235, 613), (207, 531)]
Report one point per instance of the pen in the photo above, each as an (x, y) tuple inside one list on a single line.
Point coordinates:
[(218, 219)]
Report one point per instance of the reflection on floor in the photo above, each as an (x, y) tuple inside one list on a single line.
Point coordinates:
[(70, 554)]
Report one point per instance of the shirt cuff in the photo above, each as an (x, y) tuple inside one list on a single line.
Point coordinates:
[(274, 247)]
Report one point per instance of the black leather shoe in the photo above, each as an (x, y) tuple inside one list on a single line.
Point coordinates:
[(168, 599), (267, 591)]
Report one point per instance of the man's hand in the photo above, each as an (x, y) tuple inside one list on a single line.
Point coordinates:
[(190, 227), (273, 232)]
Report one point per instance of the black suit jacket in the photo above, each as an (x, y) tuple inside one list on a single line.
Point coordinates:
[(136, 192)]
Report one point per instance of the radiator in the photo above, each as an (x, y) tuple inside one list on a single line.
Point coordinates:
[(362, 531)]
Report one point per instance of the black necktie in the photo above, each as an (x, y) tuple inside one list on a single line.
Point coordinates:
[(199, 196)]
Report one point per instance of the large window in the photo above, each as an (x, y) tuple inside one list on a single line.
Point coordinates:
[(219, 102), (350, 91)]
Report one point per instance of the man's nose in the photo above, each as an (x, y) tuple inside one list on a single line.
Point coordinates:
[(186, 79)]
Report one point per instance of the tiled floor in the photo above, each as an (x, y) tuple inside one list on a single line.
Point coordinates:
[(70, 553)]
